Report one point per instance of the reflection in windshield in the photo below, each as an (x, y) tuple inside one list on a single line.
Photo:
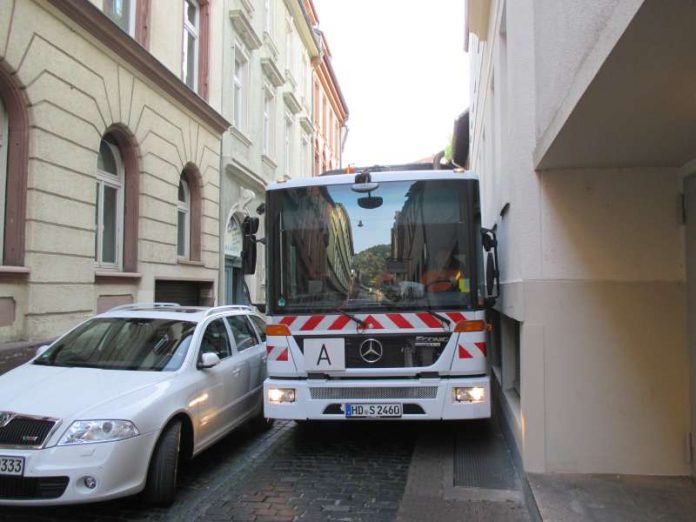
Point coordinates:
[(411, 249), (123, 344)]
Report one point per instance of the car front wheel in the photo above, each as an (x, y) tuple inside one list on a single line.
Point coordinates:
[(160, 488)]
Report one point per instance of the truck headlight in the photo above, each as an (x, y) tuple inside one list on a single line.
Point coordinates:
[(280, 395), (91, 431), (469, 394)]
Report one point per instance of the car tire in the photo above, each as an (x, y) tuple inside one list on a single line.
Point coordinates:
[(160, 488)]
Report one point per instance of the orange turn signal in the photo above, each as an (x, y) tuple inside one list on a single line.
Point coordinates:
[(470, 326), (278, 330)]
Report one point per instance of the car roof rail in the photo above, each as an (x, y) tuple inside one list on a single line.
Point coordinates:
[(225, 308), (142, 306)]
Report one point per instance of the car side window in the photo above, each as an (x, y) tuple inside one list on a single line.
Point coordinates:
[(215, 340), (241, 331), (260, 325)]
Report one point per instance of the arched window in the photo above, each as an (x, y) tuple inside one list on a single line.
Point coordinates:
[(4, 142), (183, 219), (189, 213), (14, 161), (108, 242)]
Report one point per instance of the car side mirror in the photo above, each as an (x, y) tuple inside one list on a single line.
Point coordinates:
[(42, 349), (208, 360)]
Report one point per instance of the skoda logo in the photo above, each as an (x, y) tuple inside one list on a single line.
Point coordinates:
[(371, 351), (5, 418)]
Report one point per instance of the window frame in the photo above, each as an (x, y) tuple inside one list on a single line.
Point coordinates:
[(260, 333), (240, 88), (184, 207), (132, 16), (4, 153), (115, 181), (195, 31), (230, 340), (289, 44), (289, 135), (250, 327), (270, 18), (269, 110)]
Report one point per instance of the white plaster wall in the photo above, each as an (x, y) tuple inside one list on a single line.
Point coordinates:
[(243, 158), (614, 377), (612, 224), (77, 90), (566, 31), (591, 261)]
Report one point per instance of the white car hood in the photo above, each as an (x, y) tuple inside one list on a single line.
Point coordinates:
[(68, 393)]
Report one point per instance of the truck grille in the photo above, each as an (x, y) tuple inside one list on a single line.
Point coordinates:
[(25, 488), (398, 351), (25, 431), (395, 392)]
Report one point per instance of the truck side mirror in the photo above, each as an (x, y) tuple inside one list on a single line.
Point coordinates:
[(489, 242), (250, 226)]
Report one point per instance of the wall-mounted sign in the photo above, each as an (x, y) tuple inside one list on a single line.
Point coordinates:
[(233, 238)]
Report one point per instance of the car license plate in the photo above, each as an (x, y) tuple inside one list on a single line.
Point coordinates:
[(373, 410), (11, 466)]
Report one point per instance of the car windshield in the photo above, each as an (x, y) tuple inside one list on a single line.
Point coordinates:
[(406, 244), (123, 344)]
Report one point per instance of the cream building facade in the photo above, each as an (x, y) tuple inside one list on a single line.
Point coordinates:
[(583, 133), (112, 131), (329, 108), (269, 52)]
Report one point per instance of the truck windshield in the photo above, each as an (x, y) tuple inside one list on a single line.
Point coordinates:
[(405, 245)]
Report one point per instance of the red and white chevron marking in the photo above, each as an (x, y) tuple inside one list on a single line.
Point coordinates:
[(277, 353), (388, 321), (469, 352)]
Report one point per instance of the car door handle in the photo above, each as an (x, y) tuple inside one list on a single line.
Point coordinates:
[(264, 358), (236, 372)]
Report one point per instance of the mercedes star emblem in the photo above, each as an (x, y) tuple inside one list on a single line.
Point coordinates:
[(371, 351)]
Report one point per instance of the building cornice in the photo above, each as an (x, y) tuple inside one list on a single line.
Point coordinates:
[(99, 26)]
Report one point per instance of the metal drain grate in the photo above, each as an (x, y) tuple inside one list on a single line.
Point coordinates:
[(482, 458)]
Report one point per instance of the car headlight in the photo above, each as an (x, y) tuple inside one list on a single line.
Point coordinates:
[(90, 431)]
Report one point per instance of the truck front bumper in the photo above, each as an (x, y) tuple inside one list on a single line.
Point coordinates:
[(420, 399)]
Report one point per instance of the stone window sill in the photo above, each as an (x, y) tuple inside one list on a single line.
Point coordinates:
[(189, 262), (107, 276), (14, 272), (241, 136)]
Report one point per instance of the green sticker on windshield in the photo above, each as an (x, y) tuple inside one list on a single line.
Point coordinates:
[(281, 302)]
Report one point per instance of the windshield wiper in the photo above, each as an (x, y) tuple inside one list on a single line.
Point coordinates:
[(360, 322), (444, 320)]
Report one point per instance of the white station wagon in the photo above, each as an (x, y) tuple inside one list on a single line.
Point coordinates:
[(110, 408)]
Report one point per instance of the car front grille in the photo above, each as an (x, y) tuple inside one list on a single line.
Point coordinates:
[(25, 431), (391, 392), (26, 488), (398, 351)]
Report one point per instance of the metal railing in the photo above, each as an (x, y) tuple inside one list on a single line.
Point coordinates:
[(230, 308)]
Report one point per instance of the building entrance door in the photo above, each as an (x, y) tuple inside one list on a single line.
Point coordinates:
[(234, 281), (690, 204)]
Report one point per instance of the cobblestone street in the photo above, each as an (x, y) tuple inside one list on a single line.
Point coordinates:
[(353, 472), (328, 472), (333, 472)]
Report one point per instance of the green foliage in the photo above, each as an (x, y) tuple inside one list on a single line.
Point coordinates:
[(372, 263), (449, 149)]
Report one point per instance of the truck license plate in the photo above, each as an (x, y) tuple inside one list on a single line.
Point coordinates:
[(11, 466), (373, 410)]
